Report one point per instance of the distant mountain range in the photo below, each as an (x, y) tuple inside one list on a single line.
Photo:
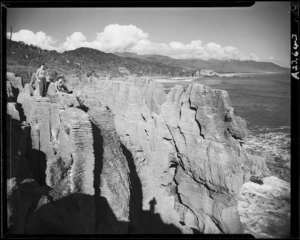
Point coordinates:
[(225, 66), (25, 59), (81, 60)]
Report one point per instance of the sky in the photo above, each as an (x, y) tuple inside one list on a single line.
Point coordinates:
[(259, 33)]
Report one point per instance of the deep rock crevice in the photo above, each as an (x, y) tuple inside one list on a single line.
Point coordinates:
[(197, 121), (98, 151), (136, 194)]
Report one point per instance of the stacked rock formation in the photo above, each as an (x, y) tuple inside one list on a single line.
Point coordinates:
[(121, 156), (187, 149), (15, 83), (112, 173), (60, 170)]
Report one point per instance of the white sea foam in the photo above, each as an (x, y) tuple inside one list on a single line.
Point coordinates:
[(171, 80), (165, 80), (265, 209), (273, 141), (211, 81)]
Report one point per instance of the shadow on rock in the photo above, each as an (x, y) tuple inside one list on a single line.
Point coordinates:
[(73, 214), (16, 147), (22, 154), (98, 152), (143, 222), (21, 112), (151, 223), (38, 164), (136, 195)]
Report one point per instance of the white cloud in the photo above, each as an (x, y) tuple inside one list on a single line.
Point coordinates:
[(254, 57), (76, 40), (114, 38), (216, 51), (40, 39), (147, 47), (194, 49), (117, 38), (122, 38)]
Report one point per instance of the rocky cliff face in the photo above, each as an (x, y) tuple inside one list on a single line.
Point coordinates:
[(72, 180), (187, 150), (121, 156)]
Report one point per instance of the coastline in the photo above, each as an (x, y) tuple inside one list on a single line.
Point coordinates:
[(227, 75)]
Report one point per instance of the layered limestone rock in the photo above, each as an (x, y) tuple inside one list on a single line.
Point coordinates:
[(22, 191), (38, 208), (179, 166), (11, 110), (111, 170), (71, 188), (16, 82), (187, 150)]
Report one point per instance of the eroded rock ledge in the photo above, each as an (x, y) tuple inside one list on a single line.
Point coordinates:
[(121, 156)]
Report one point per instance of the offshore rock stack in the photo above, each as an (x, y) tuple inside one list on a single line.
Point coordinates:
[(121, 156)]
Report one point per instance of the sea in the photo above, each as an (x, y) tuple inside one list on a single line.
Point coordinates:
[(264, 102)]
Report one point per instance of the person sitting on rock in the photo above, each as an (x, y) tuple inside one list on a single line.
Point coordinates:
[(41, 77), (58, 87)]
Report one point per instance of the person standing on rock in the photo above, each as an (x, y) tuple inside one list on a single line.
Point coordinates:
[(33, 84), (41, 76)]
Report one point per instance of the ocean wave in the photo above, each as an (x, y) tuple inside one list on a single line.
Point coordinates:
[(271, 129), (212, 81), (272, 141), (173, 80), (275, 144), (165, 80), (265, 209)]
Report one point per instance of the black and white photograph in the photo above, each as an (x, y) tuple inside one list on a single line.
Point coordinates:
[(148, 120)]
